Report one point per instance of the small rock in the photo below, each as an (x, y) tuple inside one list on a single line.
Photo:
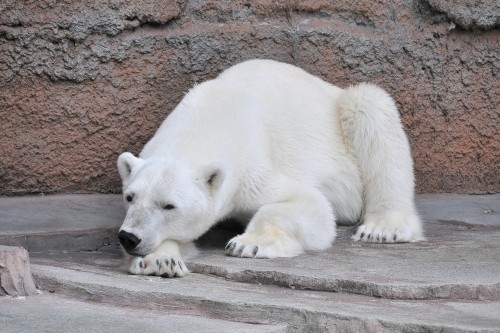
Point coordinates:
[(15, 273)]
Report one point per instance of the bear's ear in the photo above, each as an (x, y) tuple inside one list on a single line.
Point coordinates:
[(212, 176), (126, 163)]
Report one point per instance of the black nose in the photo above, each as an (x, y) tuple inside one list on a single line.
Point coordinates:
[(129, 241)]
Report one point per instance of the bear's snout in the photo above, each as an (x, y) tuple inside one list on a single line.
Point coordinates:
[(128, 240)]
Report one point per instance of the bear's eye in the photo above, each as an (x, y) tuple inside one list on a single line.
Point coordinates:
[(129, 198), (168, 206)]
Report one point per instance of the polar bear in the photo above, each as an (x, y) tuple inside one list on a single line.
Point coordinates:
[(283, 151)]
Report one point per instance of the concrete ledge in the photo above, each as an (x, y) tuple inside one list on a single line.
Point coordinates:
[(74, 222), (92, 239), (27, 215), (459, 260), (302, 310), (53, 313), (448, 283)]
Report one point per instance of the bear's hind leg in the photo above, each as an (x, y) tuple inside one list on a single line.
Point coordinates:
[(374, 135), (299, 221)]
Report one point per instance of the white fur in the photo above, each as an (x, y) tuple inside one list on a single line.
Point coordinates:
[(270, 141)]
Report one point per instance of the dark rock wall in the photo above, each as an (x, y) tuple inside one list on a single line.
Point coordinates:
[(82, 81)]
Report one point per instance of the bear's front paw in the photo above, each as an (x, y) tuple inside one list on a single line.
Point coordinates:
[(251, 246), (391, 228), (160, 266)]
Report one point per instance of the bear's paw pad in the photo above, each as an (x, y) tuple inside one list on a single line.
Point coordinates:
[(159, 266)]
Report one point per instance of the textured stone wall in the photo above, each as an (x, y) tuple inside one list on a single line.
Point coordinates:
[(82, 81)]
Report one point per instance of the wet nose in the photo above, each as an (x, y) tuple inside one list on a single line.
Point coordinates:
[(129, 241)]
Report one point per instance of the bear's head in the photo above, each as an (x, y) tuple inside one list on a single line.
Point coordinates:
[(165, 199)]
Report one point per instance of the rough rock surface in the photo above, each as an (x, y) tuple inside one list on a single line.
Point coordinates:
[(15, 273), (81, 82), (470, 14)]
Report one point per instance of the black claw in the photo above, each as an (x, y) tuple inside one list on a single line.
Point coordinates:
[(369, 236), (255, 250), (395, 237), (141, 264), (174, 263), (167, 262), (384, 239), (180, 265), (378, 238), (158, 262), (227, 245), (362, 235), (240, 249)]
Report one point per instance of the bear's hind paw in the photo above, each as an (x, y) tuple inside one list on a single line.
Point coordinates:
[(390, 230)]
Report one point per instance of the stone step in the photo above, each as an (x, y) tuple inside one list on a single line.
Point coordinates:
[(456, 262), (54, 313), (60, 222), (50, 222), (459, 260), (217, 298)]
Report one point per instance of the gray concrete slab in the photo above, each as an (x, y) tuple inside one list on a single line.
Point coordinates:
[(53, 313), (459, 260), (61, 222), (302, 310), (471, 209), (456, 262), (41, 214), (70, 212)]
